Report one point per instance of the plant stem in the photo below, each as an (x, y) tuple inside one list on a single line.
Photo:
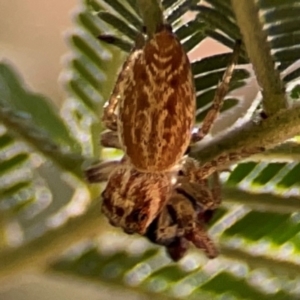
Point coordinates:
[(259, 52), (266, 134), (152, 15)]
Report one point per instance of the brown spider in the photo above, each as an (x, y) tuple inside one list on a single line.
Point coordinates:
[(155, 185), (184, 216)]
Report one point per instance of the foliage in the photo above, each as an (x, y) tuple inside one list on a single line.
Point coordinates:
[(44, 196)]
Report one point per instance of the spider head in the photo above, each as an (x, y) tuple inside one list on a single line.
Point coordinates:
[(133, 199)]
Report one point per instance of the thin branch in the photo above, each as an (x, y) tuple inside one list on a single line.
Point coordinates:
[(259, 52), (40, 251), (152, 15), (261, 201), (265, 134)]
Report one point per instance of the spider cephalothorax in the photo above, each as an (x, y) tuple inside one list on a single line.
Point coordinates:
[(132, 199), (154, 190)]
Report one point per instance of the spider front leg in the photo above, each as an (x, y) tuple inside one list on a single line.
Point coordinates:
[(163, 230), (109, 117), (180, 222), (178, 248), (207, 195), (100, 172), (218, 100), (190, 226), (110, 139)]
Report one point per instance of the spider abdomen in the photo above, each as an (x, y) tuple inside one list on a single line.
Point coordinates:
[(157, 105)]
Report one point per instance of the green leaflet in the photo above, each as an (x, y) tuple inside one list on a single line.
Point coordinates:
[(36, 108)]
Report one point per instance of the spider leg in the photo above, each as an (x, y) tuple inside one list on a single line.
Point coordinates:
[(200, 238), (163, 230), (100, 172), (222, 161), (109, 117), (218, 100), (193, 227), (216, 189), (197, 189), (200, 193), (110, 139), (178, 248)]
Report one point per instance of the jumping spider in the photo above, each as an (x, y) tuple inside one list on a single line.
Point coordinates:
[(184, 216), (155, 190)]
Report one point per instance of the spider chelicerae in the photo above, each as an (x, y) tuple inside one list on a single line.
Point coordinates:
[(156, 190)]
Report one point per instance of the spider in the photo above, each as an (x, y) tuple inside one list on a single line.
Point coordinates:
[(183, 219), (155, 190)]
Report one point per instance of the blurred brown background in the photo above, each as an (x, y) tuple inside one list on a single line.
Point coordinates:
[(32, 37)]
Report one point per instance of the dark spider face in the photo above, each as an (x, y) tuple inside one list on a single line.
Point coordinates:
[(132, 199), (182, 221), (164, 229)]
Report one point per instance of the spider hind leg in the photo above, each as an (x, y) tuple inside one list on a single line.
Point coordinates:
[(218, 100)]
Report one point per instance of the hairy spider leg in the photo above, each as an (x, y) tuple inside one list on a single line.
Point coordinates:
[(218, 100), (109, 117), (190, 226)]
